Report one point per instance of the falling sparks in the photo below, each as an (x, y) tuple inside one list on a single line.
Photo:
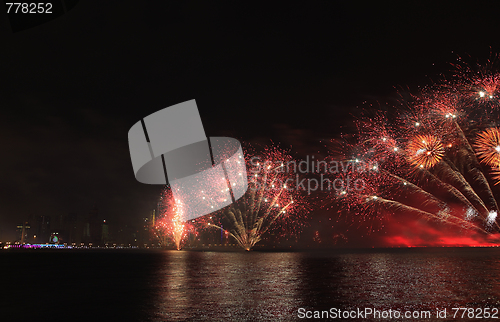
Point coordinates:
[(470, 213), (492, 216)]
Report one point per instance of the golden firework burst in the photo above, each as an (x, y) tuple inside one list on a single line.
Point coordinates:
[(487, 147), (425, 151)]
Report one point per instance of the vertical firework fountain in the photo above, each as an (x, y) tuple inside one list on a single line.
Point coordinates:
[(169, 226)]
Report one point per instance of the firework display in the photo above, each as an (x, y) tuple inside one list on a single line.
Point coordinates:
[(436, 155), (269, 204), (170, 227)]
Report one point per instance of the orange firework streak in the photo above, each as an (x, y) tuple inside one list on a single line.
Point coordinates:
[(495, 174)]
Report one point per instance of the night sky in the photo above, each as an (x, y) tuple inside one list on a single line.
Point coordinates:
[(291, 73)]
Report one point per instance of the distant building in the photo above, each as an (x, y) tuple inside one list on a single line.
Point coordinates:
[(90, 226), (41, 229), (94, 226), (59, 222), (72, 229), (22, 232), (148, 224), (104, 232)]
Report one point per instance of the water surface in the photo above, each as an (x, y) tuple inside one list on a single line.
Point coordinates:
[(197, 286)]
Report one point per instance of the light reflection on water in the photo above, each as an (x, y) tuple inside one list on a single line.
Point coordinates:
[(240, 286), (272, 286), (227, 286)]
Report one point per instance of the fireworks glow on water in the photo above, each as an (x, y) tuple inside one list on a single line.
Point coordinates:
[(436, 156)]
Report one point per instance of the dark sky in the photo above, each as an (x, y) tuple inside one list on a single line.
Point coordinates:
[(71, 88)]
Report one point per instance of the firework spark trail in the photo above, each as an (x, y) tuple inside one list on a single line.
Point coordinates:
[(449, 174), (429, 163), (411, 199), (444, 190), (495, 174), (268, 204), (427, 200), (394, 206), (473, 169)]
